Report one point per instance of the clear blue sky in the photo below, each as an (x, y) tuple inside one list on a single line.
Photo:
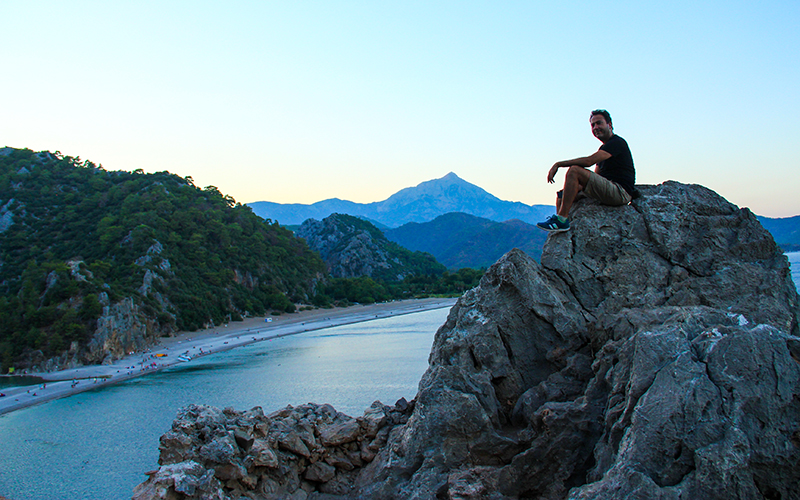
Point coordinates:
[(296, 102)]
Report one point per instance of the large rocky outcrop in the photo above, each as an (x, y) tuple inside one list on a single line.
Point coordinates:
[(122, 326), (121, 329), (653, 354)]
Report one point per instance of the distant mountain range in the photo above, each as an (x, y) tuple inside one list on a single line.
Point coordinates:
[(421, 203), (460, 240), (420, 206), (786, 231)]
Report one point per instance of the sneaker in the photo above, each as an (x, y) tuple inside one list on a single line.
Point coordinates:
[(554, 225)]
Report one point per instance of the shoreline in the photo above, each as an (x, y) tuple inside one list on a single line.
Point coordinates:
[(65, 383)]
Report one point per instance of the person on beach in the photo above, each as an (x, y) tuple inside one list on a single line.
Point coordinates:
[(611, 183)]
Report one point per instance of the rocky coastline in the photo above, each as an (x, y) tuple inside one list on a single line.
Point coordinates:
[(654, 353)]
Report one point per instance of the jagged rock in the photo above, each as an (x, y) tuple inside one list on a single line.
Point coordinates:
[(263, 454), (340, 433), (320, 472), (287, 454), (181, 480), (244, 437), (375, 417), (221, 449), (121, 329), (291, 442), (648, 356), (654, 353)]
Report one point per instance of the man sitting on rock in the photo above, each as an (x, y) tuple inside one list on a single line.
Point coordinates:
[(611, 183)]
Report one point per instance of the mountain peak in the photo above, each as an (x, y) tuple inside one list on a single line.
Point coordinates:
[(449, 190), (421, 203), (451, 177)]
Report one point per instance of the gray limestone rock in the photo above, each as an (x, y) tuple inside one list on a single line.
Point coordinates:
[(648, 356), (181, 480), (654, 353), (286, 454)]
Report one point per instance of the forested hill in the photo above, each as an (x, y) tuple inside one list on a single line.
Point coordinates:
[(352, 247), (94, 263)]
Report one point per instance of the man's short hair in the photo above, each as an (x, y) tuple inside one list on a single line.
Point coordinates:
[(604, 114)]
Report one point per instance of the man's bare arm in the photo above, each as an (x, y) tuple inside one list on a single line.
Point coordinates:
[(584, 161)]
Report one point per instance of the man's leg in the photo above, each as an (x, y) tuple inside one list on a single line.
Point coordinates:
[(606, 192), (574, 182)]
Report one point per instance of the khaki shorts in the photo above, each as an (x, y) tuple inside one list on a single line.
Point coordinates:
[(605, 191)]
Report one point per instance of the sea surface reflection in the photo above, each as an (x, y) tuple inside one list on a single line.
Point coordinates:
[(794, 263), (98, 444)]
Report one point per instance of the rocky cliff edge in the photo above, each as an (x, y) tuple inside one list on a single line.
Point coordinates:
[(653, 353)]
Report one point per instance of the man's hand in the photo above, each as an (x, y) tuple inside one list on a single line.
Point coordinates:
[(552, 173)]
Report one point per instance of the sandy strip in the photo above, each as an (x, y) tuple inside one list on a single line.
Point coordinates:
[(72, 381)]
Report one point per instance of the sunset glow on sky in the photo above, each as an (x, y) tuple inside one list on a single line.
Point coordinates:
[(296, 102)]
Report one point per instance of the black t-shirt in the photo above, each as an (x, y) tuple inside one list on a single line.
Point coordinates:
[(618, 168)]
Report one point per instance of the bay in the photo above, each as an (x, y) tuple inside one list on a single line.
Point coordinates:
[(99, 444)]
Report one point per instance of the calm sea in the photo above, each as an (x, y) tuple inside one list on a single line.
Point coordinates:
[(794, 262), (98, 444)]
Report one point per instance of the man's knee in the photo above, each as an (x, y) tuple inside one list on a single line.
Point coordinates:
[(579, 173), (573, 170)]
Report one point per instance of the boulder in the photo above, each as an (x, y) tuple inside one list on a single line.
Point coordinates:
[(180, 480)]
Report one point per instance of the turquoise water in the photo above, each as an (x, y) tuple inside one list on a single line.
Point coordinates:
[(99, 444), (794, 262)]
